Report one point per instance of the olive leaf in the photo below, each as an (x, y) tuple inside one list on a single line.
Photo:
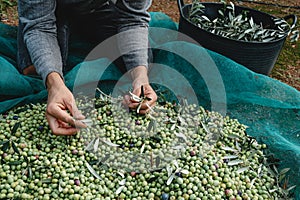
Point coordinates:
[(88, 122), (17, 162), (119, 190), (142, 149), (5, 146), (152, 126), (169, 170), (60, 188), (15, 148), (182, 121), (241, 27), (96, 144), (233, 136), (234, 162), (122, 182), (30, 172), (205, 127), (173, 127), (170, 179), (90, 146), (110, 143), (291, 188), (259, 170), (273, 190), (184, 171), (230, 157), (15, 128), (252, 183), (91, 169), (26, 159), (139, 108), (47, 180), (157, 161), (181, 135), (121, 173), (229, 149), (241, 170), (284, 170)]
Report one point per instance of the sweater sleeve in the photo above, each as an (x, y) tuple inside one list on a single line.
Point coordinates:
[(40, 35), (133, 32)]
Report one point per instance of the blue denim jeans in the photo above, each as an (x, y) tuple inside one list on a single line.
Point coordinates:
[(46, 25)]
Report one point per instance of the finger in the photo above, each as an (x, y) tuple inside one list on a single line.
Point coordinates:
[(59, 127), (75, 111), (137, 91), (146, 108), (60, 114), (127, 101), (145, 111)]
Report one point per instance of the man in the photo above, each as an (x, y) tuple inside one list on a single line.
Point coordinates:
[(43, 46)]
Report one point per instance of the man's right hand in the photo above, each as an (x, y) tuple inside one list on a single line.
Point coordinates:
[(60, 101)]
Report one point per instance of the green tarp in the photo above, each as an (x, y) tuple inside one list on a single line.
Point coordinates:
[(270, 108)]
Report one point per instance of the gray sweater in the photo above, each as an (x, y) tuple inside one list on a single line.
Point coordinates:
[(40, 32)]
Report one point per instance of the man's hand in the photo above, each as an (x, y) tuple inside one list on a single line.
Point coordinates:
[(61, 100), (140, 78), (146, 104)]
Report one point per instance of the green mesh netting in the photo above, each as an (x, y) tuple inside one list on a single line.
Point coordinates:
[(269, 108)]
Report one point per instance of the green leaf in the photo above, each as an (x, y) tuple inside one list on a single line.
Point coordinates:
[(122, 182), (60, 188), (157, 161), (234, 162), (110, 143), (93, 172), (15, 128), (18, 162), (26, 159), (152, 125), (229, 149), (47, 180), (5, 146), (284, 171), (142, 149), (292, 187), (29, 172), (15, 148), (230, 157), (119, 190), (90, 146), (96, 145), (170, 179), (241, 170), (169, 170)]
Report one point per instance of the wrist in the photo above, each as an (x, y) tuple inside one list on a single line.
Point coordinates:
[(54, 80), (139, 76)]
